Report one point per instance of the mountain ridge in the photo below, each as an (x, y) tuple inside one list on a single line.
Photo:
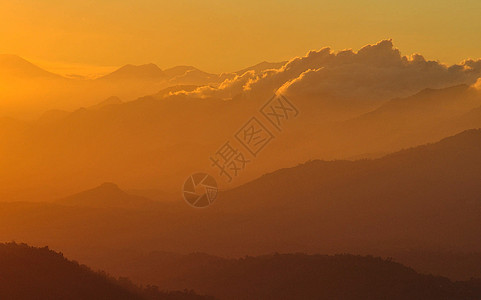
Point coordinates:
[(16, 66), (297, 276), (136, 72), (40, 273), (108, 194)]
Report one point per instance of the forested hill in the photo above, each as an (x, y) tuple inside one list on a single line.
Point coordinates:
[(28, 273)]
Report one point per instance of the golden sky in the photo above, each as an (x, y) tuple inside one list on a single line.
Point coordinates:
[(226, 35)]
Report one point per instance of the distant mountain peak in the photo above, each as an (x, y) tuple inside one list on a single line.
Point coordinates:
[(146, 71), (113, 100), (10, 58), (455, 88), (15, 66), (149, 66), (178, 70), (109, 185), (108, 194), (262, 66)]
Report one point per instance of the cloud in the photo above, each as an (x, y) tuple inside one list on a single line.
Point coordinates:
[(227, 89), (380, 72), (477, 85), (375, 72)]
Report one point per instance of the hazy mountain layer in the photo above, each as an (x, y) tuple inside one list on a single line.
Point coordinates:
[(425, 198)]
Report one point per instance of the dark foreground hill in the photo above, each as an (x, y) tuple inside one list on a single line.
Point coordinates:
[(39, 273), (298, 276)]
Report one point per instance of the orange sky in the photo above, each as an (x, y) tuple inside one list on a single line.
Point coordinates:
[(90, 37)]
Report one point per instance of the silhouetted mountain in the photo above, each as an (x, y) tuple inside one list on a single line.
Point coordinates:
[(195, 77), (178, 70), (156, 136), (39, 273), (188, 75), (429, 113), (425, 117), (296, 276), (29, 91), (113, 100), (260, 67), (454, 265), (17, 67), (422, 198), (149, 135), (106, 195), (132, 72), (429, 103)]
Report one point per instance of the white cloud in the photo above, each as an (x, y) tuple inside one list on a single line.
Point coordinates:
[(375, 72)]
